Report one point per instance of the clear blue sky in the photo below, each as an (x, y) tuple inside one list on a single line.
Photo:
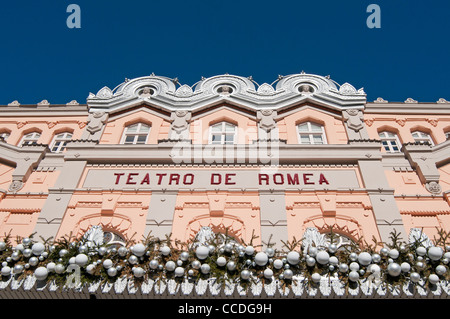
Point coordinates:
[(41, 58)]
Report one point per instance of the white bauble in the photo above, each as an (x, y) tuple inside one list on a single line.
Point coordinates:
[(133, 259), (406, 267), (364, 258), (353, 276), (231, 265), (102, 251), (374, 269), (268, 273), (354, 266), (228, 248), (179, 272), (435, 253), (165, 250), (421, 251), (62, 252), (393, 253), (415, 277), (221, 261), (112, 271), (245, 274), (293, 257), (184, 256), (261, 259), (205, 269), (27, 252), (441, 270), (122, 251), (270, 252), (6, 271), (196, 264), (153, 264), (138, 272), (384, 251), (310, 261), (288, 274), (316, 277), (202, 252), (170, 265), (38, 249), (333, 260), (33, 261), (139, 249), (434, 279), (20, 247), (447, 255), (51, 267), (2, 245), (332, 248), (18, 269), (278, 264), (81, 260), (107, 263), (322, 257), (312, 251), (353, 256), (15, 255), (376, 258), (90, 269), (41, 273), (249, 250), (394, 269), (343, 267)]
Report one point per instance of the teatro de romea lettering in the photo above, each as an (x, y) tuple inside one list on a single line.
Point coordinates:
[(228, 155)]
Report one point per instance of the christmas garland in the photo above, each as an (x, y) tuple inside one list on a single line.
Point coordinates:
[(394, 264)]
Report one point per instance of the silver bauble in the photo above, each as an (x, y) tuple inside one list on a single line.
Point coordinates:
[(33, 261), (205, 269), (376, 258), (312, 251), (288, 274), (2, 245), (394, 269), (81, 260), (364, 258), (179, 272), (102, 251), (190, 272), (228, 248), (179, 263), (26, 241), (221, 261), (293, 257), (122, 251), (353, 257), (268, 273), (90, 269), (445, 260), (59, 268), (353, 276), (420, 265), (415, 277), (384, 251), (245, 274), (441, 270), (277, 264), (6, 271), (310, 261), (38, 249), (112, 271), (153, 264), (354, 266), (27, 252), (270, 252), (62, 252), (435, 253), (107, 263), (332, 248), (82, 249), (138, 272), (322, 257), (433, 279), (211, 248), (20, 247), (18, 269), (196, 264), (343, 267), (333, 260), (165, 250), (393, 253), (447, 255), (231, 265), (170, 265), (406, 267), (184, 256), (139, 249), (261, 259), (421, 251), (51, 267), (41, 273), (316, 277), (15, 255), (249, 250), (133, 260), (374, 269), (202, 252)]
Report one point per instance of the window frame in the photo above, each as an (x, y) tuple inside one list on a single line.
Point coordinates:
[(30, 140), (423, 137), (136, 134), (223, 132), (64, 140), (310, 133), (5, 135), (389, 139)]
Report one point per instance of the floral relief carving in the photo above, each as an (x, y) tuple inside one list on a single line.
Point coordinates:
[(401, 121), (433, 121)]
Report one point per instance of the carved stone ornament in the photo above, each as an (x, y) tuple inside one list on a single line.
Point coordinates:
[(146, 92), (380, 100), (442, 100), (94, 236), (354, 119), (180, 124), (73, 102), (204, 235), (266, 119), (433, 121), (401, 121), (416, 234), (369, 122), (104, 93), (265, 89), (96, 121), (312, 237), (347, 89), (14, 103), (184, 91), (433, 187), (44, 102), (410, 100), (15, 186)]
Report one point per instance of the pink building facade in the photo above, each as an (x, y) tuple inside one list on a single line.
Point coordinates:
[(262, 162)]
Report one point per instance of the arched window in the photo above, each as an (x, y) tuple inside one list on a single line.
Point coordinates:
[(390, 142), (136, 134), (60, 141), (222, 133), (30, 138), (311, 133), (422, 137), (447, 135)]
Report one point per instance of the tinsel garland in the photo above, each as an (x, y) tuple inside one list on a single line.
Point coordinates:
[(70, 261)]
